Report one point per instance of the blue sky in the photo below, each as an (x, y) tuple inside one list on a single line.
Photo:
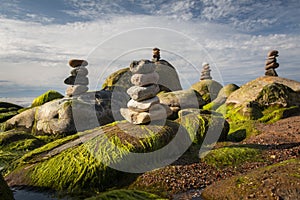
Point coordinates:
[(38, 37)]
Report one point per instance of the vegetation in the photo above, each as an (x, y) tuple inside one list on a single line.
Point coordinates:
[(46, 97)]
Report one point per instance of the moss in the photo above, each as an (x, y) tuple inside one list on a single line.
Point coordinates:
[(239, 130), (5, 192), (231, 156), (125, 194), (46, 97), (8, 110), (84, 167)]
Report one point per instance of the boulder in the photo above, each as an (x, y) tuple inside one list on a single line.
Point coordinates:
[(120, 79), (140, 106), (250, 91), (142, 67), (46, 97), (65, 116), (90, 162), (208, 89), (139, 93)]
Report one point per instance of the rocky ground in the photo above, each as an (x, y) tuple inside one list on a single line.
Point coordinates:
[(278, 142)]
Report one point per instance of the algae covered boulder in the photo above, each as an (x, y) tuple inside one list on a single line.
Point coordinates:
[(8, 110), (208, 89), (222, 97), (5, 192), (46, 97), (120, 78), (100, 158), (278, 181)]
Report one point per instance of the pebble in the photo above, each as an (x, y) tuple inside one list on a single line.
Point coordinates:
[(77, 63)]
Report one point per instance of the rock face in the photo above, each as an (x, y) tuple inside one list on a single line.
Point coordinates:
[(77, 81), (205, 74), (142, 110), (65, 116), (271, 63), (46, 97), (251, 90)]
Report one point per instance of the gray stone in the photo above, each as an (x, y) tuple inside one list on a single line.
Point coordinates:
[(141, 106), (273, 65), (79, 71), (156, 112), (74, 90), (142, 67), (145, 79), (76, 80), (140, 93), (271, 72)]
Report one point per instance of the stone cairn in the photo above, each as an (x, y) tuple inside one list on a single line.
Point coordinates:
[(205, 74), (271, 63), (144, 105), (156, 54), (77, 81)]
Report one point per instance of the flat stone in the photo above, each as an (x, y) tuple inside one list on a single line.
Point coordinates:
[(205, 77), (269, 61), (79, 71), (141, 106), (272, 66), (145, 79), (77, 63), (273, 53), (76, 80), (142, 67), (271, 72), (74, 90), (157, 112), (140, 93)]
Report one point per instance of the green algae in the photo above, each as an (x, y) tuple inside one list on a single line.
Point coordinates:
[(231, 156), (126, 194), (46, 97)]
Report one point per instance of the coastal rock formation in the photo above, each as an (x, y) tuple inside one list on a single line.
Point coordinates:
[(46, 97), (77, 81), (205, 73), (140, 109), (271, 63)]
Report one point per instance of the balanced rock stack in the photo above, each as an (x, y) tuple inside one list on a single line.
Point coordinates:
[(271, 63), (77, 81), (205, 74), (144, 105), (156, 54)]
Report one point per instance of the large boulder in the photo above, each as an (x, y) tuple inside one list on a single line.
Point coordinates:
[(97, 159), (8, 110), (46, 97), (65, 116), (208, 89), (251, 90)]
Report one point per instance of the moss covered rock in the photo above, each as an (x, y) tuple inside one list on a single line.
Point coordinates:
[(8, 110), (91, 163), (5, 192), (125, 194), (278, 181), (208, 89), (222, 97), (46, 97)]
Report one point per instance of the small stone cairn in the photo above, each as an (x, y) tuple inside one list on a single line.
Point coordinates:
[(144, 106), (78, 80), (271, 63), (205, 74)]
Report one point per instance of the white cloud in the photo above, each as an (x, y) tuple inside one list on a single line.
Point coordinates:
[(34, 54)]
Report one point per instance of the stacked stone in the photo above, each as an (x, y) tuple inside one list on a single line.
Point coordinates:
[(78, 80), (144, 105), (156, 54), (271, 63), (205, 74)]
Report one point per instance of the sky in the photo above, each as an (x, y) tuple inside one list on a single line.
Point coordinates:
[(39, 37)]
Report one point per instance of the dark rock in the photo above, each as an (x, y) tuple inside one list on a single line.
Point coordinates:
[(77, 63), (76, 80), (271, 72), (79, 71)]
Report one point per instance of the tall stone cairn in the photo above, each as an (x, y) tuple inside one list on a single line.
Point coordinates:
[(271, 63), (144, 105), (77, 80), (156, 54), (205, 74)]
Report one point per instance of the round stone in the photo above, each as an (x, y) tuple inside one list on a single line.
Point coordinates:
[(79, 71), (76, 80), (273, 65), (145, 79), (77, 63), (273, 53), (74, 90)]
